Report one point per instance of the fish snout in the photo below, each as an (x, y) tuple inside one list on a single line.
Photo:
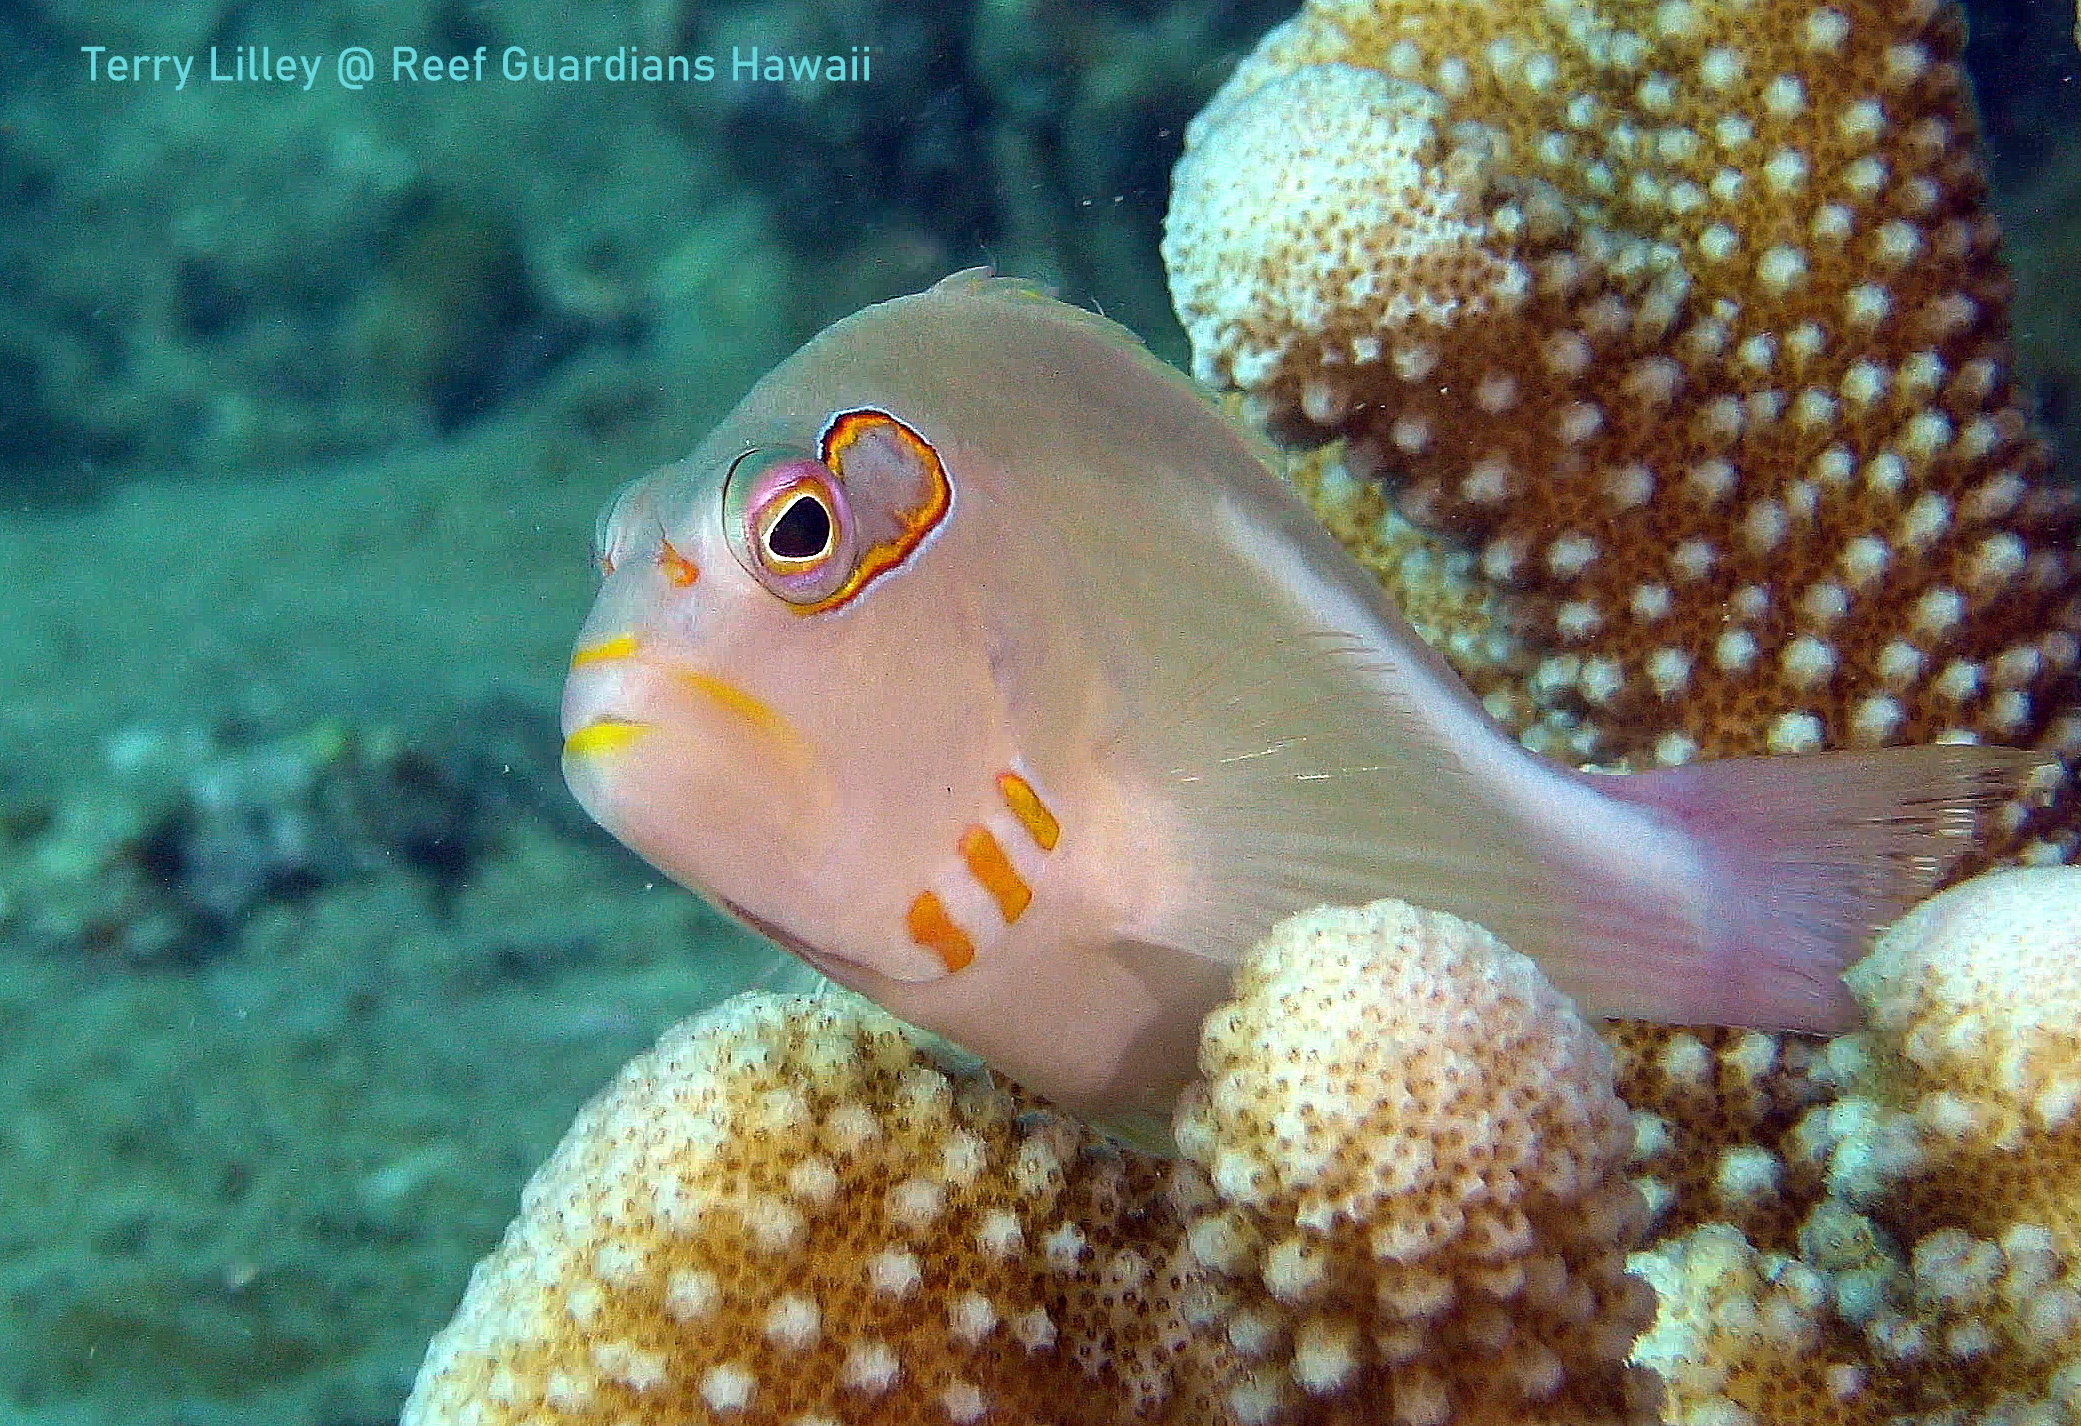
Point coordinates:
[(597, 705), (653, 741)]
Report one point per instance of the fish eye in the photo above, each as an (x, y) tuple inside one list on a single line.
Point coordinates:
[(802, 531), (787, 521)]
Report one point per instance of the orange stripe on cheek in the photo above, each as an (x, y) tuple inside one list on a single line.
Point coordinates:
[(929, 927), (678, 568), (1033, 814), (748, 706), (991, 867)]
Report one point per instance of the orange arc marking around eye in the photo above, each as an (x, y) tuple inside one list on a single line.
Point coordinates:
[(989, 865), (914, 523), (930, 927), (1033, 814)]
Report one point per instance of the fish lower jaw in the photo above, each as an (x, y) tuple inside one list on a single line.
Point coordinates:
[(604, 693), (604, 735), (602, 761)]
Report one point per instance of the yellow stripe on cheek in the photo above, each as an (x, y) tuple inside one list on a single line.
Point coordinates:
[(618, 647), (987, 861), (609, 737), (929, 926), (784, 747), (750, 707), (1033, 814)]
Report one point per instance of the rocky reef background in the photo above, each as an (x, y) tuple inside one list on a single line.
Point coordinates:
[(310, 397), (255, 277)]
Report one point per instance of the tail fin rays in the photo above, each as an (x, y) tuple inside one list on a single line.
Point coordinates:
[(1811, 856)]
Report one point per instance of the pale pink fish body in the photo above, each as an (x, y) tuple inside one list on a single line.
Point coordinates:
[(979, 660)]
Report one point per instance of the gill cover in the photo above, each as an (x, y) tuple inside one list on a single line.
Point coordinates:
[(816, 530)]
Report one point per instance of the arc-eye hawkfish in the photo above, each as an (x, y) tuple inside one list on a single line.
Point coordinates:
[(980, 660)]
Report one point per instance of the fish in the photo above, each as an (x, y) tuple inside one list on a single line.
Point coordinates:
[(980, 660)]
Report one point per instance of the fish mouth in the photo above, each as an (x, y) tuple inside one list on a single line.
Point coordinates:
[(621, 646), (832, 965), (603, 735), (682, 763), (608, 670), (593, 726)]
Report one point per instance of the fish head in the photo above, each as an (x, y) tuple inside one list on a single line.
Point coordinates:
[(756, 696)]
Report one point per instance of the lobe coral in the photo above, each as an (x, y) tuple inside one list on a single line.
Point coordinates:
[(1678, 331), (1687, 321), (1680, 328), (1403, 1197)]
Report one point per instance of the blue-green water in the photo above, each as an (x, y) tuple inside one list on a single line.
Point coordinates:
[(309, 389)]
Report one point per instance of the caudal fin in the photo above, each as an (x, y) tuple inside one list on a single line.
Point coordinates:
[(1809, 857)]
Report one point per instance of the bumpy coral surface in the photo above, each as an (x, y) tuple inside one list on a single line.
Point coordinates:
[(1688, 318), (1713, 1111), (786, 1212), (1939, 1279), (1974, 1000), (1686, 346), (1981, 988), (1747, 1336), (1403, 1200), (1415, 1138)]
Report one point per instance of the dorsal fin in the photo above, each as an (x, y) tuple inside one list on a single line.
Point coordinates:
[(983, 283)]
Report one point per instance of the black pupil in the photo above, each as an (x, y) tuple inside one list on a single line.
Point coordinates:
[(803, 532)]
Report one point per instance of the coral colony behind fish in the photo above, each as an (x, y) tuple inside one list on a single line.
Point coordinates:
[(980, 661)]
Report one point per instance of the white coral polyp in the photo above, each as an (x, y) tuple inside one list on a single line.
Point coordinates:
[(1393, 1055), (1322, 203), (1407, 1125), (1982, 986)]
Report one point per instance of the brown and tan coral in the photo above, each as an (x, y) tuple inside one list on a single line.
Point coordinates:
[(1972, 1151), (786, 1211), (1684, 322), (1403, 1200), (1687, 317), (1411, 1138), (1940, 1279)]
